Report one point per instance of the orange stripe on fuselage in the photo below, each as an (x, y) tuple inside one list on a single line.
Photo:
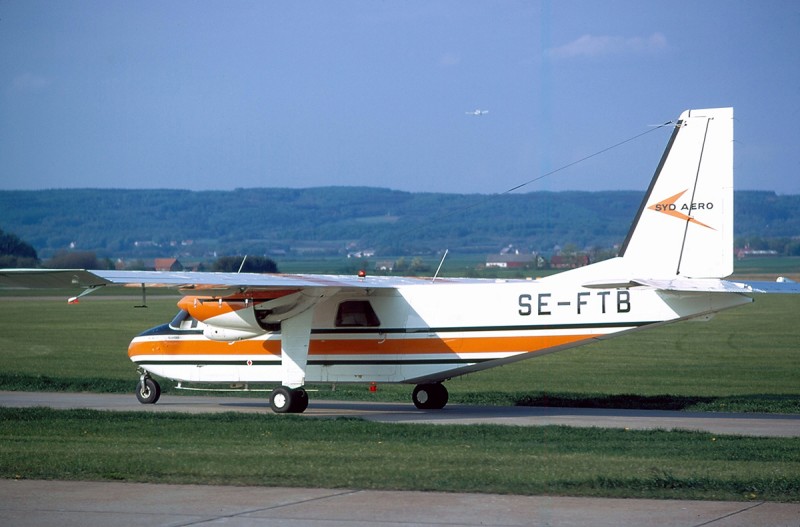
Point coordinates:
[(204, 347), (321, 348), (412, 346)]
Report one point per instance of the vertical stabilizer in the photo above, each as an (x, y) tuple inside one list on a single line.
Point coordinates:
[(685, 223)]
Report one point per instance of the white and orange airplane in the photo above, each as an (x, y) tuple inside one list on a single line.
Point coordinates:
[(290, 330)]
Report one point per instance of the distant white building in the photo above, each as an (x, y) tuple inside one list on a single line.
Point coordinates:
[(366, 253), (511, 261), (385, 265)]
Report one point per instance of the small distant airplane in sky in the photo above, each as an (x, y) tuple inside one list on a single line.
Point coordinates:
[(477, 112)]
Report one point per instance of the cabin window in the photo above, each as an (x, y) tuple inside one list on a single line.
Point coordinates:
[(356, 313)]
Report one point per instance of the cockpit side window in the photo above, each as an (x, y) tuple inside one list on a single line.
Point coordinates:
[(183, 321), (356, 313)]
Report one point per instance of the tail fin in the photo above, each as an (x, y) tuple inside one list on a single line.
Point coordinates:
[(684, 226)]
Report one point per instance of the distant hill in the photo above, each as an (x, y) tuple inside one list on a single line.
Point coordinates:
[(337, 220)]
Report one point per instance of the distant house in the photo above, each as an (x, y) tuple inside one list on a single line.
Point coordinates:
[(168, 264), (366, 253), (747, 252), (511, 261), (569, 261), (385, 265)]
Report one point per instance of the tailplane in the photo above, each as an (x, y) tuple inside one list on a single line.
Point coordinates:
[(684, 226)]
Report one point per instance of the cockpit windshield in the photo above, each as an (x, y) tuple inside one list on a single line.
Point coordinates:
[(184, 321)]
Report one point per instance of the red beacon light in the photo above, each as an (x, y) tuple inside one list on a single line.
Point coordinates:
[(362, 273)]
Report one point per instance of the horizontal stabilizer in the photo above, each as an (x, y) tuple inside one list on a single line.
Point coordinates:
[(620, 283), (782, 285), (700, 285)]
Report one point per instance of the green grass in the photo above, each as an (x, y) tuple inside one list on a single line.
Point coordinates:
[(772, 265), (272, 450), (84, 341), (746, 359)]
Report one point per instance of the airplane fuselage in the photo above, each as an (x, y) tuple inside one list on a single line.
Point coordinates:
[(417, 333)]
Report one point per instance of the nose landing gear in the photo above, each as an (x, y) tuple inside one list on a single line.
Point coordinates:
[(147, 390)]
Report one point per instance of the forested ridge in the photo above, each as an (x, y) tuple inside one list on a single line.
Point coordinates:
[(337, 220)]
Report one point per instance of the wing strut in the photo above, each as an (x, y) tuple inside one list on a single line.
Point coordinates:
[(90, 289), (295, 336)]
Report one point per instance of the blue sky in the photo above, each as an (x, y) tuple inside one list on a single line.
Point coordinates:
[(219, 95)]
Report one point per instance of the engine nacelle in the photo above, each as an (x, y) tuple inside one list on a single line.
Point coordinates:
[(225, 320), (232, 319)]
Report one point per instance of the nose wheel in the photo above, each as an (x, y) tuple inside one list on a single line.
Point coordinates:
[(147, 390)]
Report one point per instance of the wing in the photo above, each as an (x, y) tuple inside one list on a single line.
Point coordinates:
[(213, 284), (50, 278), (234, 283)]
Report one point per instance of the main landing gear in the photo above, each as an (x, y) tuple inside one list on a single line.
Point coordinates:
[(285, 400), (430, 396)]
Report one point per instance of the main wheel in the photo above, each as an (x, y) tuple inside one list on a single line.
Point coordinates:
[(148, 391), (286, 400), (299, 401), (430, 396), (281, 399)]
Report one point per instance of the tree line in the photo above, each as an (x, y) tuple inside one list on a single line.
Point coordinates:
[(143, 224)]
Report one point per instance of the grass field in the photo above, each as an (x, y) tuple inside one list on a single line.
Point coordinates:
[(281, 450), (746, 359), (771, 265)]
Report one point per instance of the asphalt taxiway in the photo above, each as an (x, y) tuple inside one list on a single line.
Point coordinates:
[(67, 503), (766, 425)]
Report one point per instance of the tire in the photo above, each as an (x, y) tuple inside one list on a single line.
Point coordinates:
[(148, 392), (299, 401), (280, 400), (430, 396)]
